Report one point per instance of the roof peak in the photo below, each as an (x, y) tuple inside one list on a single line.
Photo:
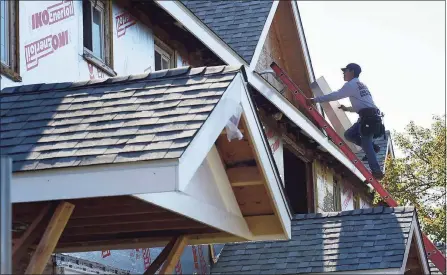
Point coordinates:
[(148, 76), (370, 211)]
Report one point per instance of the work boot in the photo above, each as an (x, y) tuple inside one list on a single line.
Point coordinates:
[(376, 149), (378, 175)]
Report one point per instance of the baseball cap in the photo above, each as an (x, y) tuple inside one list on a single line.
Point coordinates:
[(353, 67)]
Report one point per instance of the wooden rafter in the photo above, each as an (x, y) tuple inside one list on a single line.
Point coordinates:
[(50, 238)]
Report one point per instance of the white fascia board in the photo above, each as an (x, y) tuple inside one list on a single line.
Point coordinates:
[(221, 49), (390, 146), (204, 140), (94, 181), (299, 25), (386, 155), (266, 160), (200, 211), (407, 247), (264, 33), (420, 246), (177, 10), (300, 120), (208, 199)]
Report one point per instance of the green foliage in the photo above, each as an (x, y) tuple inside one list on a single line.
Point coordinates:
[(419, 177)]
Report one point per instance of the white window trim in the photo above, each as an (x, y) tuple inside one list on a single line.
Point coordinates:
[(166, 51), (106, 62), (100, 7), (164, 55), (8, 32), (12, 70)]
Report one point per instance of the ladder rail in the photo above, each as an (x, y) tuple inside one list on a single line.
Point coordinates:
[(433, 253)]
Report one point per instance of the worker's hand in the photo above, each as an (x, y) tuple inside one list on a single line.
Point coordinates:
[(343, 107), (310, 101)]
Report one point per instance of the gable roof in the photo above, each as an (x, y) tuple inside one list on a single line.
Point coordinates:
[(362, 239), (122, 119), (238, 23), (381, 155)]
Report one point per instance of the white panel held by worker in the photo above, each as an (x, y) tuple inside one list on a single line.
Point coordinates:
[(369, 125)]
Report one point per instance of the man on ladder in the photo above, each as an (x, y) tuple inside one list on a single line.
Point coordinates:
[(369, 125)]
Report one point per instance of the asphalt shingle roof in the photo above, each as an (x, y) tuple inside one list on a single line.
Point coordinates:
[(238, 23), (362, 239), (381, 157), (102, 121)]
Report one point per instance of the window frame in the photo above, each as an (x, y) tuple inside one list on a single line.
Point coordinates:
[(12, 70), (164, 50), (337, 195), (106, 62)]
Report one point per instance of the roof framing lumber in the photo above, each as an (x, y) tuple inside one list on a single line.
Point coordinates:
[(174, 255), (244, 176), (161, 258), (50, 238), (21, 245), (170, 255)]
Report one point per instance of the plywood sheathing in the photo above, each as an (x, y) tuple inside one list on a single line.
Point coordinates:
[(244, 174), (283, 46)]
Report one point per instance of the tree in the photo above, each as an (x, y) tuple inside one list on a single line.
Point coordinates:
[(418, 178)]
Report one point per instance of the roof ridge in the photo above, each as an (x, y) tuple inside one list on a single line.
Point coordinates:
[(363, 211), (173, 73)]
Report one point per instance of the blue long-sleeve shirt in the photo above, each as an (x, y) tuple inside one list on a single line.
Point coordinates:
[(357, 92)]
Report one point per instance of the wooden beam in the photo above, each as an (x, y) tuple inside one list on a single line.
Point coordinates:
[(235, 151), (310, 188), (134, 243), (174, 255), (265, 225), (21, 245), (244, 176), (183, 223), (161, 258), (295, 146), (212, 254), (50, 238), (128, 219)]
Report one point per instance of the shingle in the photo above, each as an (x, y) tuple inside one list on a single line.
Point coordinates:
[(234, 23), (29, 88), (137, 119), (57, 162), (334, 251)]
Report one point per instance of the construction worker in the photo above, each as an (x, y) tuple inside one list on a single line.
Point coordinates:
[(369, 124)]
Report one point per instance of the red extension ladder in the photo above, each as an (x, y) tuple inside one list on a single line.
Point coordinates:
[(433, 253)]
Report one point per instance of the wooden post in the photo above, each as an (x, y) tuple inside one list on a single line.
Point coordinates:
[(161, 258), (50, 238), (174, 255)]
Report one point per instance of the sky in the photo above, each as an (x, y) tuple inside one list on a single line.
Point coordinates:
[(400, 46)]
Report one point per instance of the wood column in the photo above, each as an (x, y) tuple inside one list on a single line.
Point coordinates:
[(50, 238)]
